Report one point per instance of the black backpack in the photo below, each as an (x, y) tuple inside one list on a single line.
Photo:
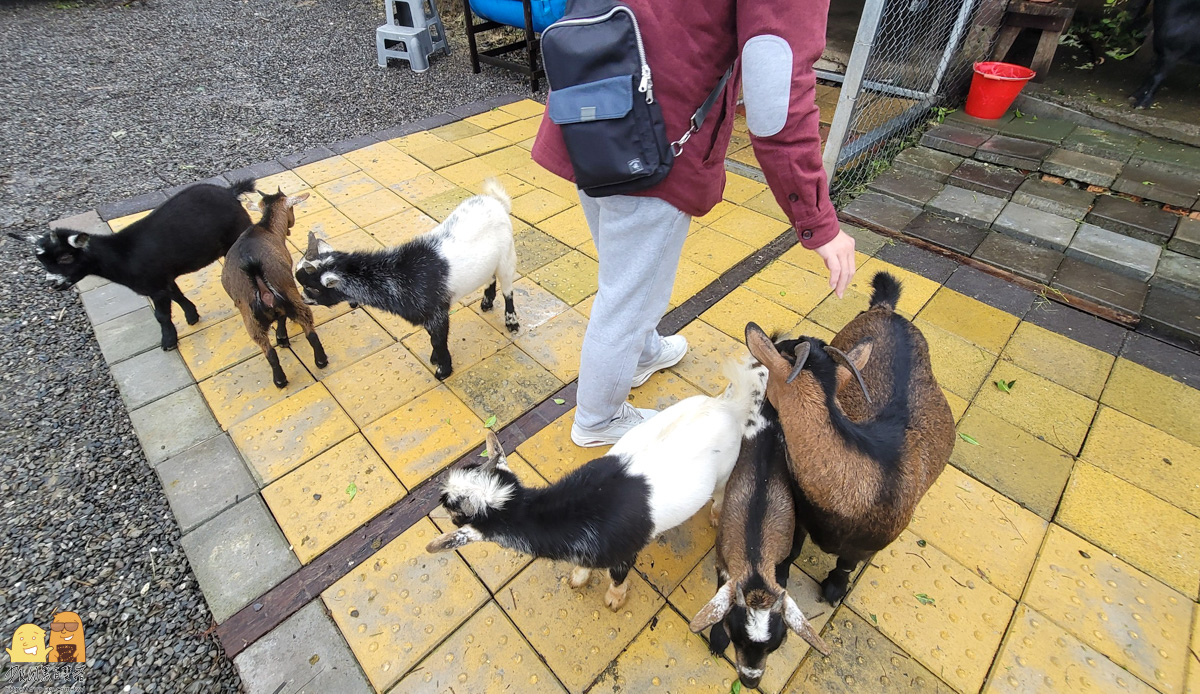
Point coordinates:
[(602, 97)]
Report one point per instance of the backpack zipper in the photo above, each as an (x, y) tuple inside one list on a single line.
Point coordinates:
[(646, 86)]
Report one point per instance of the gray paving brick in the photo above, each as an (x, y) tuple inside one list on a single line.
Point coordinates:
[(1048, 130), (1171, 317), (1101, 143), (967, 206), (1187, 237), (926, 162), (205, 480), (880, 211), (914, 190), (171, 425), (1115, 252), (1019, 257), (1035, 226), (1160, 186), (865, 241), (306, 654), (109, 301), (1081, 167), (1010, 151), (1178, 273), (953, 139), (1055, 198), (238, 556), (1167, 156), (1144, 222), (1099, 285), (946, 233), (127, 335), (989, 179), (959, 118), (149, 376)]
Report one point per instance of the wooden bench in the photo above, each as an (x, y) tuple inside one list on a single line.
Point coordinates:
[(1050, 18)]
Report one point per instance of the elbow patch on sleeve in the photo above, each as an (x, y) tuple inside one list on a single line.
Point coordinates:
[(766, 83)]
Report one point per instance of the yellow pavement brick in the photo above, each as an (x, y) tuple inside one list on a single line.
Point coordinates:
[(121, 223), (286, 434), (217, 347), (512, 185), (346, 339), (668, 655), (212, 303), (471, 171), (313, 204), (714, 250), (980, 528), (453, 132), (970, 319), (789, 286), (536, 249), (814, 562), (1045, 409), (440, 206), (326, 224), (246, 389), (491, 119), (739, 189), (537, 205), (531, 172), (807, 328), (423, 187), (1138, 453), (401, 227), (805, 259), (527, 144), (519, 130), (556, 343), (958, 406), (1134, 525), (861, 660), (665, 388), (589, 249), (486, 655), (471, 341), (341, 190), (396, 326), (287, 181), (749, 226), (915, 290), (765, 203), (958, 365), (372, 154), (1135, 621), (746, 156), (708, 348), (719, 210), (958, 634), (440, 156), (506, 160), (1039, 656), (373, 207), (483, 143), (535, 307), (585, 306), (313, 504), (1012, 461), (1068, 363), (207, 278), (525, 108), (425, 435), (380, 383), (1157, 400), (398, 604), (551, 451), (670, 557), (730, 315), (571, 277), (396, 170), (1193, 667), (576, 634), (325, 170), (569, 226), (503, 385), (834, 313), (414, 141)]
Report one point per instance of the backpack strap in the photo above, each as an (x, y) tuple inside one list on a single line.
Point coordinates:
[(702, 112)]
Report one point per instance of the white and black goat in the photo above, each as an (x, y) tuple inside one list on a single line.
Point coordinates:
[(187, 232), (419, 280), (756, 545), (861, 462), (600, 515), (258, 277)]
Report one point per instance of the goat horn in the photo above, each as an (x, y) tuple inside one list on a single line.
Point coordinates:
[(801, 354), (311, 253), (857, 374)]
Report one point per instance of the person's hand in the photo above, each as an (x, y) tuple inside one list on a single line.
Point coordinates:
[(838, 255)]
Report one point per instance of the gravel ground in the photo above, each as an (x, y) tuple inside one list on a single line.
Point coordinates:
[(101, 101)]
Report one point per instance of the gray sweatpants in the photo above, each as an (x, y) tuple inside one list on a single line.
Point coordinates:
[(639, 240)]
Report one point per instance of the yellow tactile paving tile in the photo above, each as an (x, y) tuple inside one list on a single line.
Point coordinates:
[(789, 286), (453, 132), (714, 250), (667, 656), (396, 606), (326, 498), (958, 365), (324, 171), (814, 562), (708, 349), (486, 655), (472, 171), (1157, 400), (504, 385), (1163, 465), (512, 185), (739, 189), (507, 159), (750, 227), (425, 435), (519, 130), (670, 557), (420, 188), (525, 108), (834, 313), (313, 204), (327, 224), (915, 291), (441, 205), (1055, 414), (1068, 363), (958, 406), (535, 307), (482, 143), (551, 452), (471, 340), (573, 630), (538, 205), (1192, 683), (288, 433), (555, 344), (765, 203), (401, 227), (287, 181), (980, 528), (373, 207), (805, 259), (212, 303), (378, 384), (568, 226), (1039, 656), (663, 389), (970, 319), (1134, 525), (247, 388), (571, 277), (491, 119), (534, 174), (441, 155), (690, 278), (1135, 621), (415, 141), (536, 249), (730, 315), (217, 347), (745, 156), (122, 222), (346, 340), (807, 328), (938, 610)]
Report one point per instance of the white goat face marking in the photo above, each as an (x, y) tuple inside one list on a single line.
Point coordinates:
[(78, 240), (330, 280), (756, 421), (758, 625), (751, 673), (474, 491)]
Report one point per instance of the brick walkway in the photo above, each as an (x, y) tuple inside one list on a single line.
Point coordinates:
[(1058, 551)]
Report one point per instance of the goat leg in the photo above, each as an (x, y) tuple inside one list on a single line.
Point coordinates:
[(281, 336), (618, 591), (277, 374), (304, 317), (189, 309), (162, 313), (510, 314), (1144, 96), (579, 577), (837, 583), (439, 334), (489, 297), (318, 351)]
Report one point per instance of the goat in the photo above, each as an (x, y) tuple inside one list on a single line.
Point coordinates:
[(861, 463), (756, 545), (600, 515), (419, 280), (187, 232), (1176, 28), (258, 277)]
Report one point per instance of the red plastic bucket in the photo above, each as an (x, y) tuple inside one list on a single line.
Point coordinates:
[(994, 87)]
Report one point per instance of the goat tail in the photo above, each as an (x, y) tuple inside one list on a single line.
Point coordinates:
[(493, 189), (886, 291), (268, 301), (747, 386), (241, 187)]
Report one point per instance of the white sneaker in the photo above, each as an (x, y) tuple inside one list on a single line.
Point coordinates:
[(627, 418), (673, 350)]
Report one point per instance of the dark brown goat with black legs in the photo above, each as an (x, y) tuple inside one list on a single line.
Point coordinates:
[(867, 436), (258, 277)]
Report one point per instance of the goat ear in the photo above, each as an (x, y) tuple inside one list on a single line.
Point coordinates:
[(255, 205), (764, 351), (293, 200), (453, 540), (312, 253), (330, 281), (323, 247), (794, 618), (858, 356), (79, 240), (715, 610)]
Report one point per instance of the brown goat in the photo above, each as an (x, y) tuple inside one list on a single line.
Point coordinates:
[(861, 463), (258, 277)]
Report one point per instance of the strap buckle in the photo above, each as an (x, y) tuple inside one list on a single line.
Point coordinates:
[(677, 145)]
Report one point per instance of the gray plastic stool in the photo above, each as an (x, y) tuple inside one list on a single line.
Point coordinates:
[(414, 32)]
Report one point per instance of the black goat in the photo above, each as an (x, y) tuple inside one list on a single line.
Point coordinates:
[(1176, 38)]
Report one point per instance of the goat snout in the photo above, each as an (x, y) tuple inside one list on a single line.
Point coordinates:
[(57, 282), (750, 676)]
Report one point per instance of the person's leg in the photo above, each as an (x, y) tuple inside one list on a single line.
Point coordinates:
[(639, 241)]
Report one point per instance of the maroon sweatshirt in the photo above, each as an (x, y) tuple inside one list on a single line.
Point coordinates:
[(689, 45)]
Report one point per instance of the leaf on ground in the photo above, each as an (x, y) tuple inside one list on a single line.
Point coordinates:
[(921, 543), (924, 599), (968, 439), (559, 401), (483, 453), (874, 620), (491, 422), (352, 490), (736, 688), (1002, 385)]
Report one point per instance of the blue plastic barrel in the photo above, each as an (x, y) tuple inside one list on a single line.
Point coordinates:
[(512, 12)]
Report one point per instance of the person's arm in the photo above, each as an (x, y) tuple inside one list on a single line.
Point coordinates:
[(779, 42)]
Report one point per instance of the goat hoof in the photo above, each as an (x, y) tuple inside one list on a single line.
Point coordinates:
[(714, 516), (442, 373), (322, 362), (168, 345), (283, 342), (579, 577), (193, 318), (485, 305), (281, 382), (615, 597), (833, 591)]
